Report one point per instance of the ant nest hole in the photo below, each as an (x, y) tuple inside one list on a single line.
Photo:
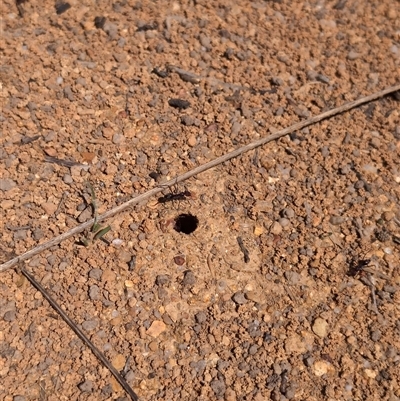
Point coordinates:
[(186, 223)]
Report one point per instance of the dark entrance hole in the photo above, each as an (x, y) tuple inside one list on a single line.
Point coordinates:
[(186, 223)]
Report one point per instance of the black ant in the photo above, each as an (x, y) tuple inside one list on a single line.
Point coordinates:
[(179, 196), (175, 195), (362, 269), (357, 268)]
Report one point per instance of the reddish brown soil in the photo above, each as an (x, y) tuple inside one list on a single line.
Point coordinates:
[(190, 320)]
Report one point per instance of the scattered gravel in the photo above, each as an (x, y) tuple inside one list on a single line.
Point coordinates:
[(129, 96)]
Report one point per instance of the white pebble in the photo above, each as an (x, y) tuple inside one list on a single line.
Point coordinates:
[(117, 242)]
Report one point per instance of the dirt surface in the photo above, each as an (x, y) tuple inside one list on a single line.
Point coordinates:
[(305, 305)]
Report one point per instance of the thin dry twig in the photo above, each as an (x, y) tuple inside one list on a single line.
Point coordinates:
[(279, 134), (194, 78), (81, 335)]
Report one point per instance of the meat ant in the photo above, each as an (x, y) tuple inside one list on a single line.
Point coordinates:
[(365, 268), (357, 268), (362, 269), (176, 196)]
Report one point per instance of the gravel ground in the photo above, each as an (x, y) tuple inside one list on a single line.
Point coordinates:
[(288, 288)]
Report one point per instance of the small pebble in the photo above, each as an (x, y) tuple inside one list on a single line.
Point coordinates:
[(107, 390), (94, 292), (38, 234), (124, 256), (68, 94), (189, 279), (167, 319), (118, 362), (35, 262), (205, 42), (72, 289), (10, 315), (295, 344), (359, 184), (162, 279), (85, 215), (322, 368), (258, 230), (192, 140), (201, 317), (288, 212), (253, 349), (254, 329), (118, 138), (130, 376), (89, 325), (219, 387), (107, 132), (276, 228), (290, 391), (129, 284), (81, 81), (388, 216), (62, 7), (20, 235), (86, 386), (390, 289), (156, 328), (345, 169), (284, 222), (325, 151), (96, 273), (369, 168), (179, 260), (376, 143), (320, 327), (188, 121), (309, 361), (179, 103), (277, 81), (62, 266), (254, 296), (51, 259), (323, 78), (336, 220), (302, 112), (141, 158), (117, 242), (239, 298), (376, 335), (49, 208), (370, 373), (236, 127), (352, 55), (312, 75), (68, 179), (292, 277)]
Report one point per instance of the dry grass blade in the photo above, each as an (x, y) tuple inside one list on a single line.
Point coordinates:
[(198, 170), (81, 335)]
